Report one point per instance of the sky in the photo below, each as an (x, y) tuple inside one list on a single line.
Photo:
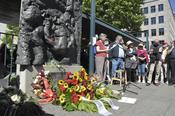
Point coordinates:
[(172, 2)]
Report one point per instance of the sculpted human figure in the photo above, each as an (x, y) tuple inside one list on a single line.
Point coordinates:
[(49, 26)]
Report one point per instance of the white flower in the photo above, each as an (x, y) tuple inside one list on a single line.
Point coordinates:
[(46, 72), (15, 98)]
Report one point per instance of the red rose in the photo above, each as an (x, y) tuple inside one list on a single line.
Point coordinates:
[(69, 81), (62, 88), (74, 81), (68, 74), (75, 98)]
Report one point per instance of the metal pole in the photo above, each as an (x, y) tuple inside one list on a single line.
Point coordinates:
[(147, 41), (5, 54), (11, 56), (92, 34)]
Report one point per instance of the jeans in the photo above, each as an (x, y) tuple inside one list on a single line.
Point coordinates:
[(117, 64), (141, 69)]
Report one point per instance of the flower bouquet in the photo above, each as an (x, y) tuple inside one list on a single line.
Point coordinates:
[(80, 92), (13, 102)]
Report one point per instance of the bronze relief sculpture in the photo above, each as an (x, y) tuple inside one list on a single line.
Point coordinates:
[(49, 29)]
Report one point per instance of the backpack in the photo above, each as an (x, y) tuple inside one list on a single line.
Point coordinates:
[(94, 49)]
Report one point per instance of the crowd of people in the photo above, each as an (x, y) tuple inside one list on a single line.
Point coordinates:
[(156, 65)]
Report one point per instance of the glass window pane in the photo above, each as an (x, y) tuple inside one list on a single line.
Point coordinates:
[(145, 10), (161, 19), (146, 21), (161, 31), (161, 7), (153, 20), (153, 32), (153, 9)]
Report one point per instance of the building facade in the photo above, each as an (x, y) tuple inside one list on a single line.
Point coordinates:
[(159, 21)]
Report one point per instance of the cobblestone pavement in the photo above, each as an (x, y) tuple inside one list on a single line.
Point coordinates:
[(151, 101)]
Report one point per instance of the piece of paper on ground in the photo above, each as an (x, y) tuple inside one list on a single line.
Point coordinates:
[(128, 100)]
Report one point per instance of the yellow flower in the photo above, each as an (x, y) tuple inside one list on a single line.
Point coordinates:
[(101, 90), (88, 96), (80, 97), (76, 75), (37, 92), (83, 70), (79, 90), (86, 77), (62, 100), (70, 90), (93, 80), (61, 82), (80, 80), (89, 87), (62, 95), (65, 85), (83, 88), (76, 88)]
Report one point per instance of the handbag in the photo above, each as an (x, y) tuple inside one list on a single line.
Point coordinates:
[(131, 64)]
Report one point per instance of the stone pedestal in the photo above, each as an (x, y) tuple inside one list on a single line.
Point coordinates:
[(59, 73), (27, 73)]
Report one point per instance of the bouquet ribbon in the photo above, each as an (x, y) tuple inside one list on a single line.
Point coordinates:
[(100, 106), (111, 103)]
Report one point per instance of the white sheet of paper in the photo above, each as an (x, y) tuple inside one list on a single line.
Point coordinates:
[(128, 100)]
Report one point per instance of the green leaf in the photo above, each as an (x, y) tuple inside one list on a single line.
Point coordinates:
[(120, 13)]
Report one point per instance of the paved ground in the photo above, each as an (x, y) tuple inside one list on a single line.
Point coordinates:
[(151, 101)]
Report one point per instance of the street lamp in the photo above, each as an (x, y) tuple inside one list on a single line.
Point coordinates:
[(92, 34), (147, 41)]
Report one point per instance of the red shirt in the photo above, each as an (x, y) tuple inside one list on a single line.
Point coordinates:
[(144, 53), (102, 47)]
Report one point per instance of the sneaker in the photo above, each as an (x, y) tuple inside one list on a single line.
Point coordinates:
[(143, 81), (148, 84), (166, 82), (157, 84), (138, 81)]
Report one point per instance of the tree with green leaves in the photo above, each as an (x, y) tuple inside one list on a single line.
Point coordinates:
[(12, 30), (124, 14)]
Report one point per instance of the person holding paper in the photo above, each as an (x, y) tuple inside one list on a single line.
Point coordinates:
[(101, 54), (117, 54)]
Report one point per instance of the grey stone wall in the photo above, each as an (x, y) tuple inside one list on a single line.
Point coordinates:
[(49, 29)]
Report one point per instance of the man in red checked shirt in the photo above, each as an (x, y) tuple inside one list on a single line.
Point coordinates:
[(101, 54)]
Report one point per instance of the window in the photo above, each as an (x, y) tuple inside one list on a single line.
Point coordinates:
[(145, 10), (153, 20), (146, 21), (161, 7), (161, 31), (153, 9), (146, 32), (161, 19), (153, 32)]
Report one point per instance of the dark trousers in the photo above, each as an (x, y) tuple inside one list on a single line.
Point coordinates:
[(131, 74), (172, 70)]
